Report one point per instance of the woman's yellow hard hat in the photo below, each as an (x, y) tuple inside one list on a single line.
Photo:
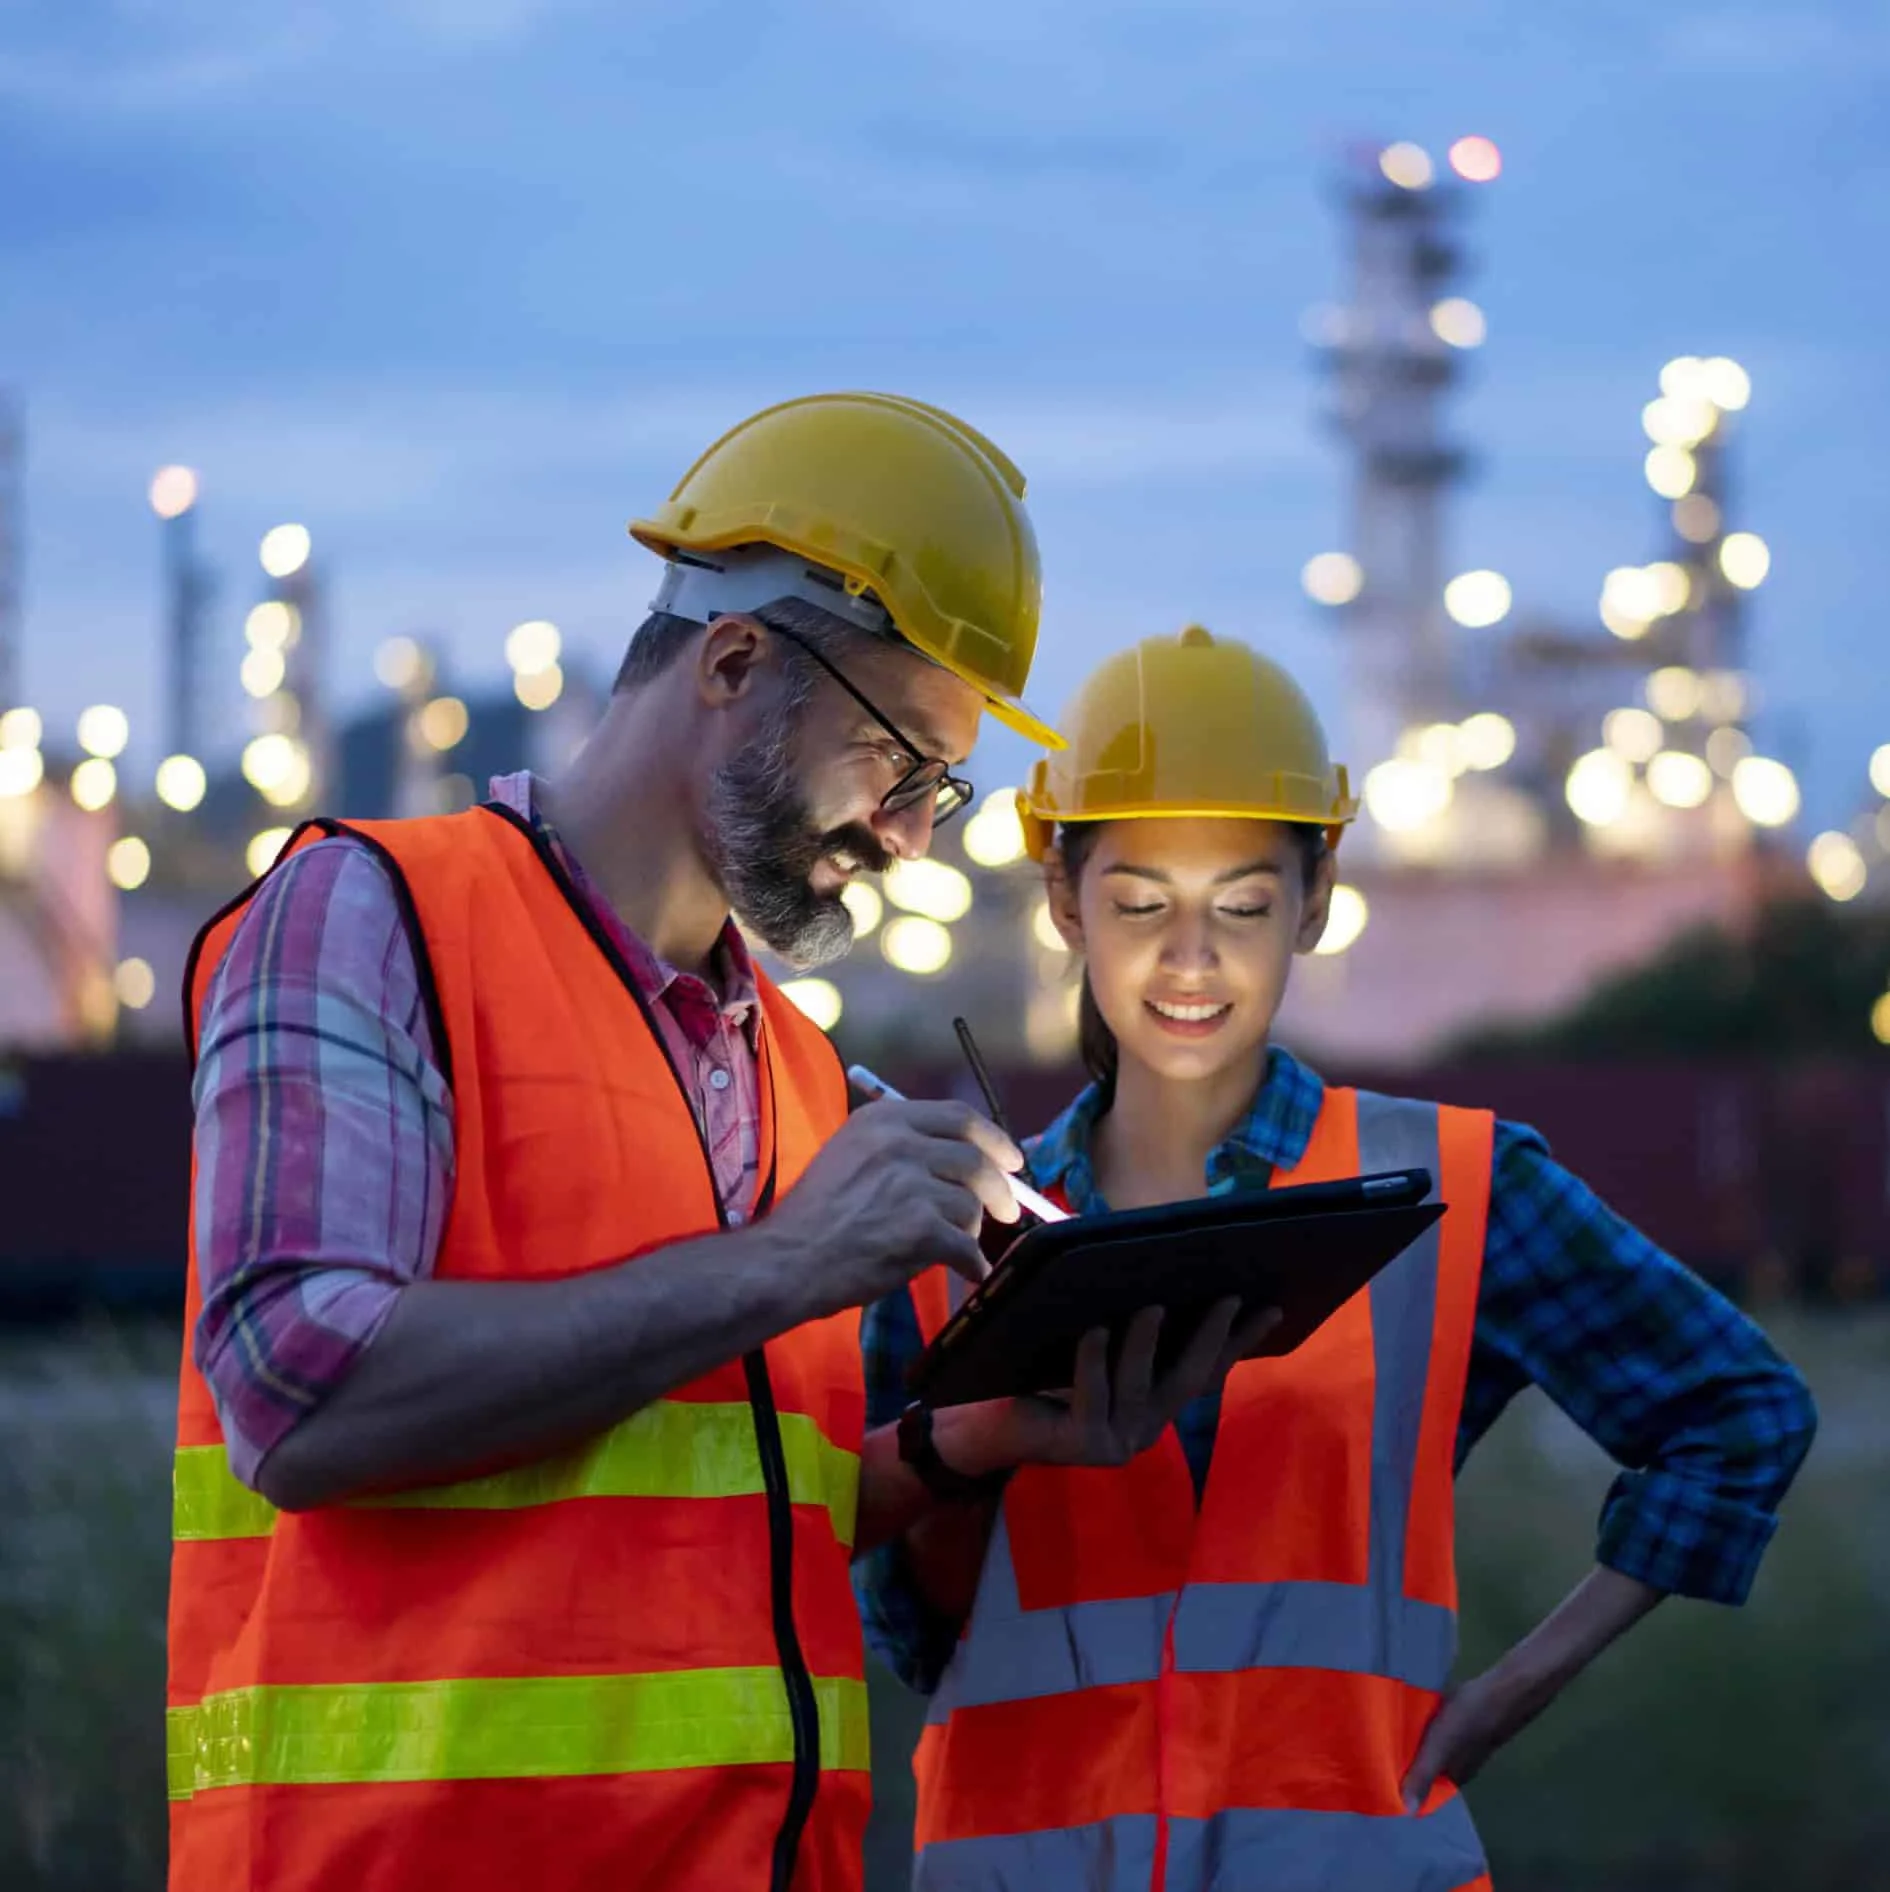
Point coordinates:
[(904, 502), (1188, 725)]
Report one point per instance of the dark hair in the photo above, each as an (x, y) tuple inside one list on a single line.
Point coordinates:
[(1095, 1042), (662, 637)]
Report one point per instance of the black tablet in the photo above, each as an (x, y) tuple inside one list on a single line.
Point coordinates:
[(1306, 1250)]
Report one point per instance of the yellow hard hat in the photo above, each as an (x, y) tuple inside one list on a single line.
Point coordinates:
[(1188, 725), (909, 506)]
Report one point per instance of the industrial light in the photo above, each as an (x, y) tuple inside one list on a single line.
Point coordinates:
[(292, 785), (21, 729), (861, 899), (1695, 517), (104, 730), (21, 771), (932, 889), (1678, 779), (442, 723), (994, 836), (1332, 578), (1486, 740), (913, 943), (262, 672), (94, 783), (268, 761), (1478, 599), (1837, 864), (135, 984), (1635, 735), (1722, 696), (1598, 788), (272, 625), (1459, 323), (1476, 160), (400, 663), (1745, 559), (819, 999), (173, 491), (128, 863), (538, 689), (1408, 166), (1043, 927), (284, 550), (1684, 378), (1676, 420), (181, 782), (534, 645), (1726, 384), (1880, 1020), (1880, 770), (1345, 921), (1404, 793), (1766, 791), (1671, 471), (263, 848), (1673, 693)]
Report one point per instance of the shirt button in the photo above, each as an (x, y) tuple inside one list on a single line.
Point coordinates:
[(718, 1079), (736, 1218)]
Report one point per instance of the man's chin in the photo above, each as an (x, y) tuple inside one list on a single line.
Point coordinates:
[(810, 939)]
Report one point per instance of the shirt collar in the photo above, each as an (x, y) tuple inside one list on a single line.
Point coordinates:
[(1271, 1136), (735, 991)]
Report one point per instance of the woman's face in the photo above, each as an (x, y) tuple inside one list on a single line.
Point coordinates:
[(1189, 925)]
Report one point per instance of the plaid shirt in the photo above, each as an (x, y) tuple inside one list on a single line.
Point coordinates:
[(1662, 1372), (324, 1128)]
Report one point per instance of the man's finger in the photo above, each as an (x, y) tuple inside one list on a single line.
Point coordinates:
[(966, 1163), (962, 1255), (1245, 1340), (962, 1124)]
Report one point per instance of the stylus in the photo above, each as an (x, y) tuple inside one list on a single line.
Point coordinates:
[(871, 1086)]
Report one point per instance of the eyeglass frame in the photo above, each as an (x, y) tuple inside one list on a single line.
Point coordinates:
[(891, 802)]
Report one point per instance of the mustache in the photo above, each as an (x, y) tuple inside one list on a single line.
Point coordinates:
[(859, 844)]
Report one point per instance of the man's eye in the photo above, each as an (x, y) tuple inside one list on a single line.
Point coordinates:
[(1134, 913)]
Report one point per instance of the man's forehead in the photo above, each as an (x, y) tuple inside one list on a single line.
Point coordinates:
[(936, 710)]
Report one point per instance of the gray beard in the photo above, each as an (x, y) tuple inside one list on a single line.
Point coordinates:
[(763, 846)]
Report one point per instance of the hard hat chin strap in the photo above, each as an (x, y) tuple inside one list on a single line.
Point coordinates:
[(703, 586)]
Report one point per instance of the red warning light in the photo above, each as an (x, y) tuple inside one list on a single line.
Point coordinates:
[(1476, 160)]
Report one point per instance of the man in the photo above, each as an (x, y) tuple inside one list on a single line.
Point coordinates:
[(520, 1438)]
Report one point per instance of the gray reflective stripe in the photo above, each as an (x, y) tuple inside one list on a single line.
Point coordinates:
[(1014, 1654), (1289, 1849), (1398, 1133), (1111, 1856), (1223, 1627), (1372, 1628)]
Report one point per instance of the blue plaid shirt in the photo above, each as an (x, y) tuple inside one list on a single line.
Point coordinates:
[(1664, 1373)]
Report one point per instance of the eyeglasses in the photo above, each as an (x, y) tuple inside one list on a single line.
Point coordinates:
[(927, 777)]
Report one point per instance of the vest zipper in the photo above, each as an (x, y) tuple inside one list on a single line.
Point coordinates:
[(802, 1707)]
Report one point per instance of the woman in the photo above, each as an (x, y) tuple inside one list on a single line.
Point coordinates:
[(1225, 1663)]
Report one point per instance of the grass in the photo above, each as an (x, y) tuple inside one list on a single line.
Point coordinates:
[(1715, 1751)]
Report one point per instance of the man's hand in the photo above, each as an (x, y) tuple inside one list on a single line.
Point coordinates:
[(898, 1187)]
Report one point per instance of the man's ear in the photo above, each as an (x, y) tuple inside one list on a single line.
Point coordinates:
[(1066, 912), (1312, 919), (730, 658)]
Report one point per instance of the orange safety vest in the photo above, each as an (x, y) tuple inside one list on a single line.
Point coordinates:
[(636, 1663), (1154, 1694)]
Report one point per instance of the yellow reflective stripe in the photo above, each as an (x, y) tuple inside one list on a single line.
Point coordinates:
[(673, 1449), (499, 1729)]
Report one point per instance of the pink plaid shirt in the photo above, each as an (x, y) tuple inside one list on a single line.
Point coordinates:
[(324, 1128)]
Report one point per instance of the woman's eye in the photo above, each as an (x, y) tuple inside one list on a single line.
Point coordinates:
[(1138, 913), (1246, 913)]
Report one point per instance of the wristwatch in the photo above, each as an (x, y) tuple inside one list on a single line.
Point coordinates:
[(918, 1449)]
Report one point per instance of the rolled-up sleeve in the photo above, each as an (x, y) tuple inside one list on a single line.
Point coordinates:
[(323, 1142), (1708, 1421), (903, 1629)]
